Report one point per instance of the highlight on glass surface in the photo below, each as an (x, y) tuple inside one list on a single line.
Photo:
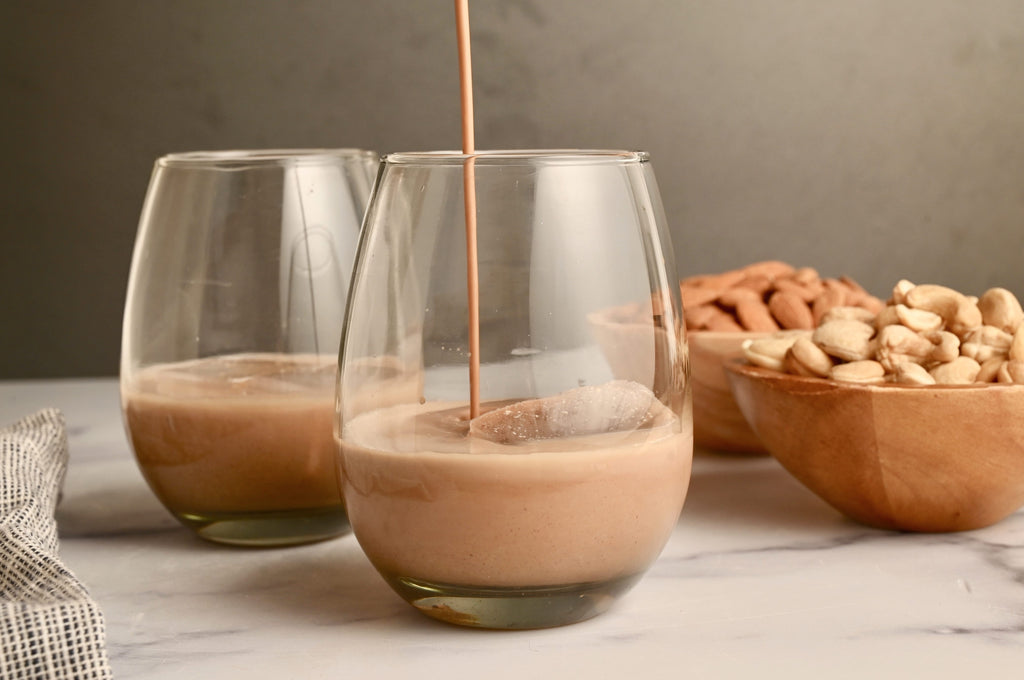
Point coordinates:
[(560, 493), (235, 304)]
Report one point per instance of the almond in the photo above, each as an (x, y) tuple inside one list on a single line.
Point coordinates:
[(790, 311), (724, 323), (830, 298), (806, 292), (695, 297), (852, 285), (872, 304), (806, 275), (699, 317), (771, 269), (731, 298), (754, 316), (756, 282), (723, 280)]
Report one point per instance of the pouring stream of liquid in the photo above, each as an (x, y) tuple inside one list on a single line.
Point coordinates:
[(472, 275)]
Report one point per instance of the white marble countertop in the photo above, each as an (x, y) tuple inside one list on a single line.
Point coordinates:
[(760, 579)]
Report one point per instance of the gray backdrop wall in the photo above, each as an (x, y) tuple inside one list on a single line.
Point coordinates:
[(878, 138)]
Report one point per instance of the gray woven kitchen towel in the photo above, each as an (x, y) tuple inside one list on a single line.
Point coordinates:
[(49, 625)]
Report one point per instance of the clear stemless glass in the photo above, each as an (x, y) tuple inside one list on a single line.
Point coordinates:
[(556, 498), (234, 311)]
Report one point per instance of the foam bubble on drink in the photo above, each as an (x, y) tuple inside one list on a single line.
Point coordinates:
[(242, 374), (616, 406)]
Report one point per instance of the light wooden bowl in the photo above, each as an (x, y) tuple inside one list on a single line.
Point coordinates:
[(717, 421), (946, 458)]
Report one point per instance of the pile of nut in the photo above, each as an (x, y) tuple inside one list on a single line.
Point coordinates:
[(767, 296), (925, 335)]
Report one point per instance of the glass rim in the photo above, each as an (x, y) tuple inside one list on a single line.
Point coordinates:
[(519, 156), (245, 157)]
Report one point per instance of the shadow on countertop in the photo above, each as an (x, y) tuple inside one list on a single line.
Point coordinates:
[(754, 491)]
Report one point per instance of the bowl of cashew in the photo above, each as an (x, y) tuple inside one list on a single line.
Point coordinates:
[(911, 419), (727, 309)]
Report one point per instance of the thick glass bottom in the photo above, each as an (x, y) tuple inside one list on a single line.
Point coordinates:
[(513, 607), (269, 529)]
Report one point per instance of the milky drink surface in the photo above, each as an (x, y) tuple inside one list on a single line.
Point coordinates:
[(236, 434), (431, 501)]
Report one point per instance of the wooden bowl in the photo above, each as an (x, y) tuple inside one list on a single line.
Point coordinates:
[(934, 458), (717, 421)]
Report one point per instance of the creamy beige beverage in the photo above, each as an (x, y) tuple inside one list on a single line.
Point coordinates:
[(430, 501), (236, 434)]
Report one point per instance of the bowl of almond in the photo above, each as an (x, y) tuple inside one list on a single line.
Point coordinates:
[(910, 419), (725, 310)]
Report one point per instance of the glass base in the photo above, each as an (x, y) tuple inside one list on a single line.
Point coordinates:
[(511, 608), (269, 529)]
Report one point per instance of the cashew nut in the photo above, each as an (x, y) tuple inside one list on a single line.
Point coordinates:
[(770, 351), (848, 313), (919, 320), (808, 358), (1016, 351), (845, 339), (900, 290), (946, 347), (1000, 308), (990, 370), (909, 373), (960, 313), (865, 371), (960, 371)]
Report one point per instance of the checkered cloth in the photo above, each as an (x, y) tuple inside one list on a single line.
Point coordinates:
[(49, 626)]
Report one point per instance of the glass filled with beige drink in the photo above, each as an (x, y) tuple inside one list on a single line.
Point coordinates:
[(536, 459), (235, 304)]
